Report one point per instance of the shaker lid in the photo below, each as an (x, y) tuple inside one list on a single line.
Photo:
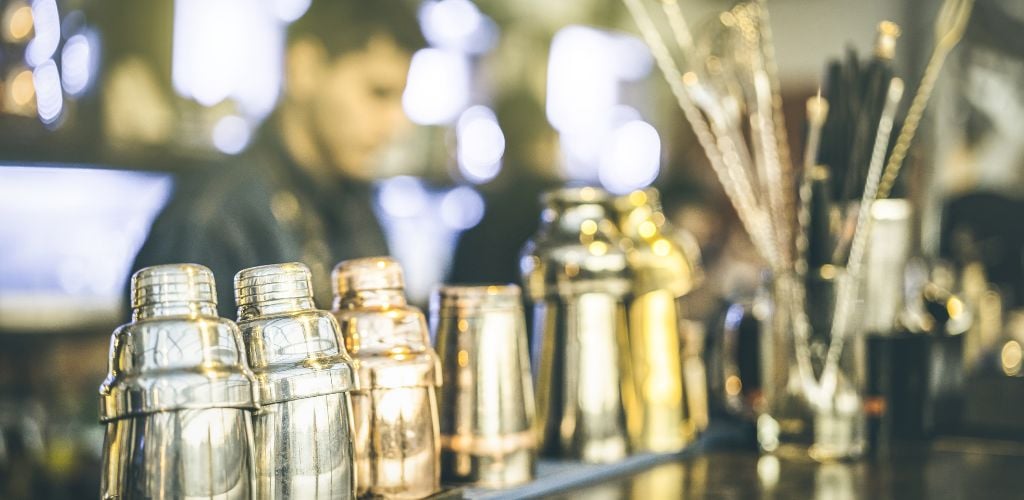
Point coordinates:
[(171, 283), (292, 347), (371, 273), (291, 280), (452, 299)]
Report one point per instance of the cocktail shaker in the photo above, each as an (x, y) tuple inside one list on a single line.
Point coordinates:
[(395, 408), (179, 397), (486, 400), (303, 430), (577, 279), (668, 403)]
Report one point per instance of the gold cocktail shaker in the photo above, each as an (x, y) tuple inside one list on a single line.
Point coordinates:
[(667, 404), (303, 430), (178, 400), (486, 401), (397, 442), (577, 279)]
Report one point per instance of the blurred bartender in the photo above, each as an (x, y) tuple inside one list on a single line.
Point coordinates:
[(302, 192)]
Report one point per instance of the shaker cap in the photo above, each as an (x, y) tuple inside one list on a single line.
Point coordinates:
[(454, 299), (169, 358), (255, 285), (173, 283), (371, 273)]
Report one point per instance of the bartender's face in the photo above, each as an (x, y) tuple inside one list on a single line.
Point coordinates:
[(355, 102)]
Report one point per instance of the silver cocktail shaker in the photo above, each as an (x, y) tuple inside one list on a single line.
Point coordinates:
[(576, 277), (303, 430), (486, 401), (395, 409), (179, 397)]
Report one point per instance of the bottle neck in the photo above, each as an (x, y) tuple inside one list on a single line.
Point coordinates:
[(277, 306), (190, 309), (372, 299)]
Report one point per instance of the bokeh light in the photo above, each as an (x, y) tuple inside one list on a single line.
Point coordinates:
[(462, 208), (231, 134), (49, 96), (46, 20), (19, 23), (480, 144), (402, 196), (438, 86), (632, 159), (76, 64), (22, 88), (457, 25)]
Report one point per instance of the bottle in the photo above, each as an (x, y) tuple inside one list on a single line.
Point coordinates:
[(179, 397), (303, 430), (397, 441), (668, 401), (576, 278)]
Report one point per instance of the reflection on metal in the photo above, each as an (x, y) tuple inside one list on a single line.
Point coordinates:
[(665, 410), (664, 481), (397, 441), (179, 397), (577, 290), (303, 430), (486, 401)]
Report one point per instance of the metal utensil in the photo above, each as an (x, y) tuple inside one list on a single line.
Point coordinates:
[(178, 400), (303, 430)]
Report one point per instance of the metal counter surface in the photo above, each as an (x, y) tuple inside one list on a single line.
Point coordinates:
[(948, 468), (724, 464)]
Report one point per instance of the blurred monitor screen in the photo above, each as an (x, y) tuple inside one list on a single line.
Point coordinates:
[(68, 236)]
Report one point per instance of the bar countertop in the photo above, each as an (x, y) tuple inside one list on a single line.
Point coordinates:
[(947, 468)]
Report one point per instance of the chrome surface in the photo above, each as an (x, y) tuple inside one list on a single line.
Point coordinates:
[(179, 395), (576, 278), (397, 445), (303, 430), (664, 409), (486, 400)]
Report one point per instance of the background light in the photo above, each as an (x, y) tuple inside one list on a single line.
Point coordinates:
[(480, 144), (49, 96), (47, 26), (457, 25), (231, 134), (290, 10), (582, 86), (19, 23), (422, 226), (228, 49), (438, 86), (632, 159), (462, 208), (76, 62), (586, 70), (22, 88), (70, 251), (402, 196)]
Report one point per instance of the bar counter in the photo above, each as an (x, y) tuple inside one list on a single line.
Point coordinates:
[(947, 468), (724, 464)]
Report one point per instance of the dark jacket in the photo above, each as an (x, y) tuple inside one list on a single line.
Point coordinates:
[(263, 209)]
